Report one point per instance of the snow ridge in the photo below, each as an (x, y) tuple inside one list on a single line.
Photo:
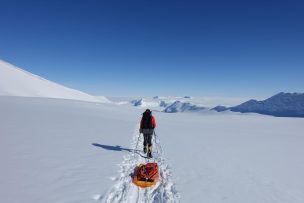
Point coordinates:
[(15, 81), (125, 191)]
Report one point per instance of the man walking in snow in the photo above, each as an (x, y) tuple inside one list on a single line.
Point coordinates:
[(147, 125)]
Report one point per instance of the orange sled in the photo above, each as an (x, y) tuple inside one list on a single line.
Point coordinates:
[(146, 175)]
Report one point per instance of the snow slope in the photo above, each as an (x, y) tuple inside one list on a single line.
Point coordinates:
[(17, 82), (54, 150)]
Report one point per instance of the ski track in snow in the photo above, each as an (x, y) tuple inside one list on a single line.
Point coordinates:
[(125, 191)]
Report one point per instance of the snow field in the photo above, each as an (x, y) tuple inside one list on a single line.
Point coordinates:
[(235, 158), (65, 151)]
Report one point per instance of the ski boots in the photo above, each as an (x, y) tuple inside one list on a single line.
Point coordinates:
[(145, 149), (150, 152)]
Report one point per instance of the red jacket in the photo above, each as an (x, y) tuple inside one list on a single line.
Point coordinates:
[(153, 123)]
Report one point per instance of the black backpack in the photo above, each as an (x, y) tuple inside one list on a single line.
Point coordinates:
[(147, 120)]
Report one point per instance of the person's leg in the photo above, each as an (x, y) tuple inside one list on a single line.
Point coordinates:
[(149, 140), (145, 142)]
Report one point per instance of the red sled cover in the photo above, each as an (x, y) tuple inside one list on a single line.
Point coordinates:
[(146, 175)]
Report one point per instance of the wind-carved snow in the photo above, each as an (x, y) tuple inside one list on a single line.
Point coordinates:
[(124, 191), (15, 81)]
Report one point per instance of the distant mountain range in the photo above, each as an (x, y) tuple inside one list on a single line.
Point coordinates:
[(281, 105), (168, 105)]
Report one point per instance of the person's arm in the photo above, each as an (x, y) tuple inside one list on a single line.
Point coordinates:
[(140, 127), (153, 122)]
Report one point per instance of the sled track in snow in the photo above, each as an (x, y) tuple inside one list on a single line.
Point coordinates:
[(125, 191)]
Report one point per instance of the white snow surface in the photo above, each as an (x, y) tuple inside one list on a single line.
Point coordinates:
[(15, 81), (64, 151)]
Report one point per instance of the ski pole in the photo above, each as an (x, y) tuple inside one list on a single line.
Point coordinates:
[(155, 136), (160, 147), (156, 144), (137, 143)]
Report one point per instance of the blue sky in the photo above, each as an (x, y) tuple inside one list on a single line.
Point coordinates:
[(159, 47)]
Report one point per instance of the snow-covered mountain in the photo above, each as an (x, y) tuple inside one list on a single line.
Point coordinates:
[(15, 81), (168, 100), (167, 105), (147, 103), (179, 106), (220, 108), (282, 104)]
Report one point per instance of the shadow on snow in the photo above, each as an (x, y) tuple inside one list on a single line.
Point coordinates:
[(112, 148), (119, 149)]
